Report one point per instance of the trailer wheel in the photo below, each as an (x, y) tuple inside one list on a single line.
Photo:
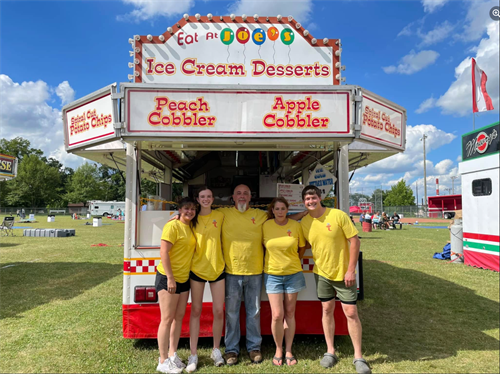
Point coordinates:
[(105, 214), (447, 216)]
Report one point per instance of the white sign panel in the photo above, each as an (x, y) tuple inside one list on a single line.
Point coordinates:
[(241, 114), (236, 52), (292, 193), (382, 122), (323, 179), (90, 119)]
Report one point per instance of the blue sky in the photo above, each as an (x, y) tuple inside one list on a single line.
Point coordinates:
[(415, 53)]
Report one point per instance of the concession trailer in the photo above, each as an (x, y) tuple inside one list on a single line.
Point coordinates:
[(480, 171), (222, 101)]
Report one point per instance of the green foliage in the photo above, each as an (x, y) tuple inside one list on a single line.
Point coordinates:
[(36, 184), (400, 195), (19, 147), (113, 183), (85, 185)]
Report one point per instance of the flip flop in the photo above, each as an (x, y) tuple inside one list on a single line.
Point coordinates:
[(290, 359), (279, 359)]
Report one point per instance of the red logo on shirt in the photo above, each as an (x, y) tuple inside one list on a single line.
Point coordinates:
[(289, 233), (328, 226), (214, 222), (253, 220)]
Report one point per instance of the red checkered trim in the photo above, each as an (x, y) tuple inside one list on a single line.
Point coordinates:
[(307, 264), (141, 266)]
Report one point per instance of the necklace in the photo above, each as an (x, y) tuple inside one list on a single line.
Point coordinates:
[(205, 222)]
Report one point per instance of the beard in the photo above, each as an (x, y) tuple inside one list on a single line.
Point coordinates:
[(242, 207)]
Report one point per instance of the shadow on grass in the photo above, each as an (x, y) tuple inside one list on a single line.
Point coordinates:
[(8, 244), (409, 315), (24, 286)]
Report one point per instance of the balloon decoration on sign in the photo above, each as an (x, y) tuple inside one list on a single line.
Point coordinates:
[(259, 37), (273, 34), (227, 36), (243, 36), (287, 37)]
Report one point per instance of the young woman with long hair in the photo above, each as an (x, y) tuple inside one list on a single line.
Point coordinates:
[(283, 278), (172, 283), (207, 266)]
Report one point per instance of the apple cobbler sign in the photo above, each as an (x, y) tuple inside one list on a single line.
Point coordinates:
[(90, 119), (286, 114)]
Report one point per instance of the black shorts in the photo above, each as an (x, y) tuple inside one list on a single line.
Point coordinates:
[(196, 278), (161, 283)]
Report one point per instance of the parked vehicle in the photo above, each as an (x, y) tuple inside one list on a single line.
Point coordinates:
[(105, 208)]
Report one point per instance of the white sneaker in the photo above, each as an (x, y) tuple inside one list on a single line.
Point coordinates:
[(177, 361), (168, 367), (192, 363), (217, 357)]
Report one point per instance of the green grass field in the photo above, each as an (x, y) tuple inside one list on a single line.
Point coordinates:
[(61, 298)]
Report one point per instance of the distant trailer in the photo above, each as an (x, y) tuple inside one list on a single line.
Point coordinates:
[(480, 171), (105, 208), (444, 206)]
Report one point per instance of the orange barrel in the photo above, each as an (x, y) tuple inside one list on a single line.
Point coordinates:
[(367, 226)]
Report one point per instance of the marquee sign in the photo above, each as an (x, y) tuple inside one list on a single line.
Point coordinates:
[(220, 50), (482, 142), (91, 119), (382, 121), (180, 113), (8, 167)]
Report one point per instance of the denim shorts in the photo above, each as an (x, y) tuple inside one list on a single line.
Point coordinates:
[(292, 283)]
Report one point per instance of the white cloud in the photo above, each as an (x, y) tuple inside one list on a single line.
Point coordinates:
[(65, 92), (439, 33), (477, 20), (426, 105), (413, 62), (299, 9), (409, 164), (431, 5), (457, 99), (24, 112), (149, 9)]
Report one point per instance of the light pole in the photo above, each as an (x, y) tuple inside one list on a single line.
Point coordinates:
[(425, 171), (453, 183)]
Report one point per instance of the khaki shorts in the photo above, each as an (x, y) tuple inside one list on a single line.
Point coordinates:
[(327, 289)]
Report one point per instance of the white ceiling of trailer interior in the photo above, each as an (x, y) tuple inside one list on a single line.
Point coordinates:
[(113, 154)]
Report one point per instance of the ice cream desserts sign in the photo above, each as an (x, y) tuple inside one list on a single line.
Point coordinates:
[(249, 50)]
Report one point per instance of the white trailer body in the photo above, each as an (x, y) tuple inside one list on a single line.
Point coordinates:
[(480, 170), (105, 208), (203, 112)]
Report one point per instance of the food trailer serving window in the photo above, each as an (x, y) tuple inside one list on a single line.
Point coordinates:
[(481, 187)]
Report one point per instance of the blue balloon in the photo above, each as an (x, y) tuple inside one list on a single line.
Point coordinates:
[(258, 36)]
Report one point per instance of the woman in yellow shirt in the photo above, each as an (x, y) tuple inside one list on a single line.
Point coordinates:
[(172, 283), (285, 246), (207, 266)]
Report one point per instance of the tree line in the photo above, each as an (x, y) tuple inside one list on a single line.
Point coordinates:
[(46, 182), (400, 194)]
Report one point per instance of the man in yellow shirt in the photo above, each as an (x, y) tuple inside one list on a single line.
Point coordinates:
[(244, 257), (335, 247)]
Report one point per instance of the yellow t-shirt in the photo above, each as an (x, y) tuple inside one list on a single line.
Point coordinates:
[(282, 244), (208, 259), (328, 236), (181, 254), (242, 241)]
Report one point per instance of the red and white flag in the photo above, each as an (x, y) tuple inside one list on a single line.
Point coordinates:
[(481, 101)]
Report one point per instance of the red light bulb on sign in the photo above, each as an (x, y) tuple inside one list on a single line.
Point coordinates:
[(273, 33), (242, 35)]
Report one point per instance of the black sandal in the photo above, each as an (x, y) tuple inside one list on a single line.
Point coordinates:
[(290, 359), (279, 359)]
